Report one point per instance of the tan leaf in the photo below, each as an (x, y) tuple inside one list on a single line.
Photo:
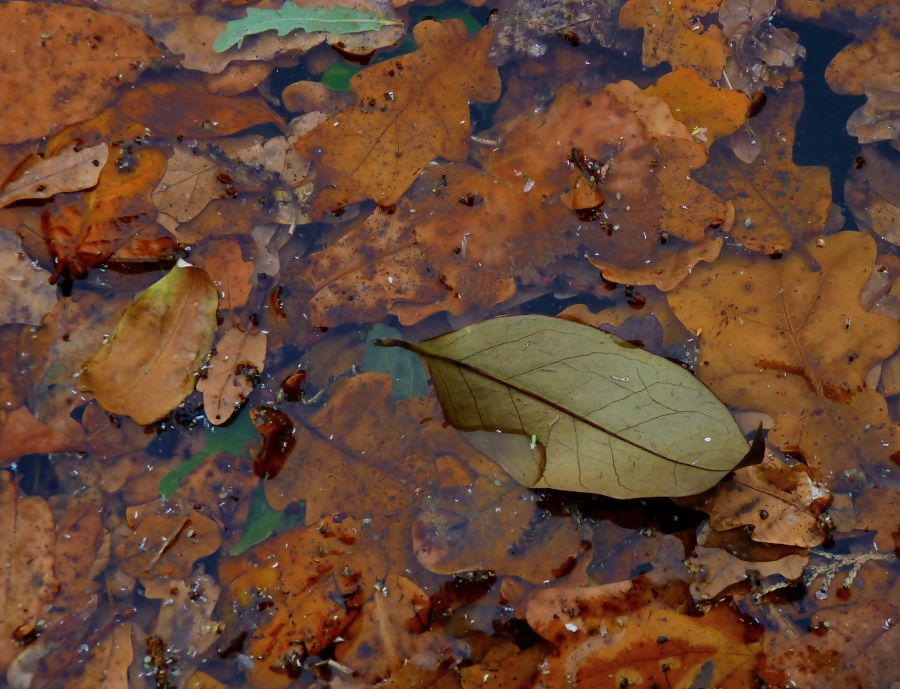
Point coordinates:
[(190, 183), (40, 178), (26, 295), (26, 553), (238, 357), (52, 49), (230, 273), (108, 662), (411, 110)]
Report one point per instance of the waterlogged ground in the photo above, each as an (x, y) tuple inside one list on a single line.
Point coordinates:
[(213, 476)]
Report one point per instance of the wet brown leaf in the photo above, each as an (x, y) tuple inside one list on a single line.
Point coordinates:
[(714, 570), (776, 202), (674, 33), (878, 510), (872, 196), (54, 47), (230, 273), (25, 293), (879, 118), (191, 181), (108, 662), (239, 356), (40, 178), (410, 110), (790, 338), (186, 108), (159, 541), (26, 550), (505, 667)]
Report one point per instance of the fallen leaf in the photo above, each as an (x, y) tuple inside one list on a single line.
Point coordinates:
[(562, 405), (232, 276), (776, 202), (714, 570), (879, 118), (873, 200), (107, 663), (315, 580), (779, 503), (639, 644), (186, 108), (878, 510), (671, 34), (26, 295), (76, 45), (411, 110), (190, 183), (507, 667), (26, 551), (149, 364), (40, 178), (335, 20), (186, 619), (23, 434), (238, 357), (790, 338), (855, 65), (164, 541)]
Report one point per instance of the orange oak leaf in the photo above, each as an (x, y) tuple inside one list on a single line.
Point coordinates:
[(315, 578), (186, 108), (674, 33), (409, 111), (790, 338), (640, 643), (476, 233), (776, 202), (70, 73)]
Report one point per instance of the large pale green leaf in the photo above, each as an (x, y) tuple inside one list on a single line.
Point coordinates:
[(334, 20), (149, 364), (563, 405)]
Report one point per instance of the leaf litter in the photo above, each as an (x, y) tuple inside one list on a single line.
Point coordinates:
[(336, 530)]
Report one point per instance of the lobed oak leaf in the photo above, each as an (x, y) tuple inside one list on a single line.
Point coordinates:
[(776, 202), (874, 54), (82, 56), (714, 570), (410, 110), (791, 339), (674, 33), (879, 118), (40, 178)]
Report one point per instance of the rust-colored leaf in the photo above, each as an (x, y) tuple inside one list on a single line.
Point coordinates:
[(107, 664), (410, 110), (28, 582), (674, 33), (230, 273), (239, 356), (62, 64), (316, 579), (25, 295), (40, 178), (163, 541), (790, 338), (186, 108), (776, 202)]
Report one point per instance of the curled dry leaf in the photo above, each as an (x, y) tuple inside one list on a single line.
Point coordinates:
[(639, 643), (315, 578), (674, 33), (239, 357), (40, 178), (160, 541), (776, 202), (36, 80), (562, 405), (186, 108), (411, 110), (780, 503), (476, 233), (148, 365), (25, 293), (28, 583), (790, 338)]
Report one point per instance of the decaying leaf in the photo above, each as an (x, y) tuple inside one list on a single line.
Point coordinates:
[(640, 643), (149, 364), (190, 183), (791, 339), (411, 110), (40, 178), (28, 582), (872, 196), (25, 293), (54, 47), (290, 17), (780, 503), (715, 569), (230, 273), (562, 405), (673, 32), (879, 118), (107, 664), (239, 357), (775, 201)]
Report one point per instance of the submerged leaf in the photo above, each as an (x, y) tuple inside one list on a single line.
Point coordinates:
[(149, 364), (291, 17), (561, 405)]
